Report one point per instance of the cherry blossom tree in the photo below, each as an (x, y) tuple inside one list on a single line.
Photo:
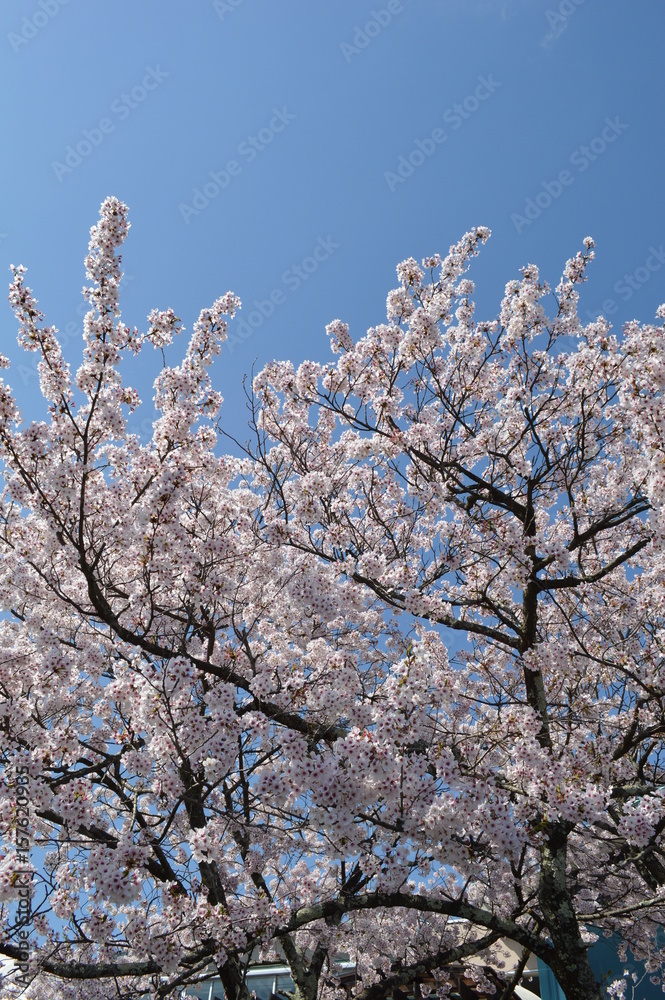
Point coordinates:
[(503, 480), (172, 685), (231, 725)]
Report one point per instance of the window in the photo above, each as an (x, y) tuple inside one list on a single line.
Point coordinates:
[(264, 982)]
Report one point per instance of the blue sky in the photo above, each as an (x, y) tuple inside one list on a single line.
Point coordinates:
[(541, 119)]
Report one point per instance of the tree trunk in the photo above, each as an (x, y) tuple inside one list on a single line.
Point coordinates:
[(305, 974), (578, 981), (232, 975), (571, 964)]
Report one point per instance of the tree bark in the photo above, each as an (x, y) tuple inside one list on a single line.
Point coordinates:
[(571, 962)]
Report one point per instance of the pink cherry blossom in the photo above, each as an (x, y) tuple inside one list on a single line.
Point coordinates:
[(389, 684)]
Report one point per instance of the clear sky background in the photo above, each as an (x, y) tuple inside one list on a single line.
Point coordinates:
[(306, 112)]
